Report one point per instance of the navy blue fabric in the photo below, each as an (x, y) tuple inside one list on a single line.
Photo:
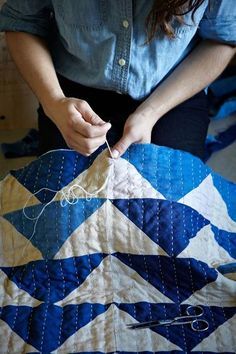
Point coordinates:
[(51, 280), (55, 322), (161, 218)]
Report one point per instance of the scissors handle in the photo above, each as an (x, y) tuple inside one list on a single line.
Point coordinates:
[(199, 325), (194, 310)]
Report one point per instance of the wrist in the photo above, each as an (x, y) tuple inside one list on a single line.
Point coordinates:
[(50, 103), (148, 113)]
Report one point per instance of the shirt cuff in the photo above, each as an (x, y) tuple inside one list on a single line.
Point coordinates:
[(17, 22), (223, 31)]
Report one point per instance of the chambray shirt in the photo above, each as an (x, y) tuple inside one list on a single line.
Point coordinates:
[(101, 43)]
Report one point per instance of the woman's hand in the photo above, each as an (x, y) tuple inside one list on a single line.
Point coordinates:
[(82, 129), (137, 129)]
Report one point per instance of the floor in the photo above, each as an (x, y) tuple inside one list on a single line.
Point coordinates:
[(222, 162), (6, 165)]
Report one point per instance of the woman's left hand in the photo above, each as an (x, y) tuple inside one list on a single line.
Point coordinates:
[(137, 129)]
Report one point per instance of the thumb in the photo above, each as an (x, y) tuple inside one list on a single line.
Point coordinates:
[(121, 147)]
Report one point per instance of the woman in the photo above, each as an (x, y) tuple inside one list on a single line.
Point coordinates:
[(142, 65)]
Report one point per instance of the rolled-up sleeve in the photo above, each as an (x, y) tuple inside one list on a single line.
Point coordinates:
[(31, 16), (219, 21)]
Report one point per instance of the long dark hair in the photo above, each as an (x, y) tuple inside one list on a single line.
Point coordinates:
[(165, 12)]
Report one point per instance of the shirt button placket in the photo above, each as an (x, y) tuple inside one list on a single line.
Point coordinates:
[(123, 46)]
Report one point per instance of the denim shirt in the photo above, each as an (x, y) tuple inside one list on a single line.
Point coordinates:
[(101, 43)]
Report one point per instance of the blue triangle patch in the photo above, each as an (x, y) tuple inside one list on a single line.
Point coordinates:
[(50, 325), (225, 239), (170, 171), (55, 224), (227, 190), (53, 170), (169, 224), (53, 280), (176, 278)]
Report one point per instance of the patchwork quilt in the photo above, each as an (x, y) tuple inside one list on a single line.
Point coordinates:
[(91, 244)]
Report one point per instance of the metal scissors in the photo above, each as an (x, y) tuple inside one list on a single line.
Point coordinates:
[(192, 317)]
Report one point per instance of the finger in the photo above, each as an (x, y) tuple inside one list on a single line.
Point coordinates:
[(88, 114), (84, 128), (86, 145), (122, 145)]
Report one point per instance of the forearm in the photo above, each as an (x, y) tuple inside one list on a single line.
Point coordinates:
[(197, 71), (34, 62)]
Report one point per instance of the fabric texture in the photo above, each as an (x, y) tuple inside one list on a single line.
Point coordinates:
[(159, 236), (79, 30)]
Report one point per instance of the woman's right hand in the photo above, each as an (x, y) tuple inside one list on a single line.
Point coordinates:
[(82, 129)]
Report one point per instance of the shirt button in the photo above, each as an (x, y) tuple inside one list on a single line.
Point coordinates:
[(125, 24), (122, 62)]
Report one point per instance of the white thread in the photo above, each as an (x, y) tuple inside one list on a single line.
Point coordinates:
[(68, 196), (109, 149)]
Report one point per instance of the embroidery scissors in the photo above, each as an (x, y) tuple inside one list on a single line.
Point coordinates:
[(192, 317)]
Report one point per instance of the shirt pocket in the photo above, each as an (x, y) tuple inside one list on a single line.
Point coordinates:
[(82, 14)]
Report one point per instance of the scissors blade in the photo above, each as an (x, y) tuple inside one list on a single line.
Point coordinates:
[(148, 324)]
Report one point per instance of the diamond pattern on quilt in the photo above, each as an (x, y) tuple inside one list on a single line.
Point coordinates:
[(50, 325), (113, 321), (52, 280), (163, 221), (125, 255), (48, 237), (103, 241), (101, 286), (166, 274)]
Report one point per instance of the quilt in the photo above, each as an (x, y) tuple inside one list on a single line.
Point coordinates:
[(89, 245)]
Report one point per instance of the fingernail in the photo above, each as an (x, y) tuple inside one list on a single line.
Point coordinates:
[(115, 154)]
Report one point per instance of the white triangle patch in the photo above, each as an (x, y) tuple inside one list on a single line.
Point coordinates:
[(111, 179), (214, 255), (108, 230), (12, 342), (221, 292), (15, 249), (108, 333), (14, 196), (12, 295), (222, 340), (113, 281), (208, 202)]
